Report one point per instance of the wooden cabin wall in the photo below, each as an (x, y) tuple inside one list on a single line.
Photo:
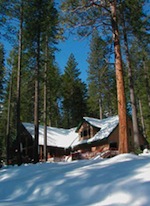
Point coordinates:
[(114, 137), (27, 145), (100, 148), (87, 131)]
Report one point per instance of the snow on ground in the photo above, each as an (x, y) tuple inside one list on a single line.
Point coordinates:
[(121, 180)]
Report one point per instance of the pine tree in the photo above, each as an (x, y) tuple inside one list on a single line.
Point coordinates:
[(132, 20), (45, 99), (41, 18), (88, 15), (53, 94), (43, 22), (101, 79), (2, 72), (19, 84), (9, 110), (137, 54), (8, 122), (73, 94), (3, 17)]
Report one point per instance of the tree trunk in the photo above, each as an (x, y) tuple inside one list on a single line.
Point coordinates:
[(36, 118), (19, 87), (100, 109), (131, 88), (8, 123), (36, 103), (146, 82), (142, 118), (123, 137), (45, 100)]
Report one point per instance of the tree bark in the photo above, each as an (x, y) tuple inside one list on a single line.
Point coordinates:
[(146, 82), (36, 115), (100, 109), (19, 87), (132, 93), (142, 118), (8, 124), (36, 103), (123, 137), (45, 100)]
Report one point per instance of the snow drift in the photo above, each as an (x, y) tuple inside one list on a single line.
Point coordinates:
[(122, 180)]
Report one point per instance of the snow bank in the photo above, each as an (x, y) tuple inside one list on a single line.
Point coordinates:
[(122, 180)]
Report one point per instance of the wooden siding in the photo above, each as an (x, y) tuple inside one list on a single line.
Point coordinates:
[(111, 142), (86, 131)]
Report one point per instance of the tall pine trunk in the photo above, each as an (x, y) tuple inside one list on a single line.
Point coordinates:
[(147, 82), (123, 137), (19, 159), (132, 93), (36, 112), (142, 118), (37, 79), (36, 102), (8, 123), (45, 100), (100, 108)]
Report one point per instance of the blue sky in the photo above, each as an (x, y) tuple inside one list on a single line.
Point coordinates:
[(79, 48)]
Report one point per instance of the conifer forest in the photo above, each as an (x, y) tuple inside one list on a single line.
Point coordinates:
[(33, 89)]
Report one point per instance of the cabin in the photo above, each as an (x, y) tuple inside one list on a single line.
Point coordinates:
[(59, 142), (92, 137), (98, 136)]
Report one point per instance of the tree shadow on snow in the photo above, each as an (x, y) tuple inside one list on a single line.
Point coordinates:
[(79, 183)]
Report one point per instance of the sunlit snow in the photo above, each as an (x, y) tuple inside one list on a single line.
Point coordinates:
[(121, 180)]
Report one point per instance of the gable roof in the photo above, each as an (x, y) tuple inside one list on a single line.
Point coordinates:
[(56, 137), (106, 127), (65, 138)]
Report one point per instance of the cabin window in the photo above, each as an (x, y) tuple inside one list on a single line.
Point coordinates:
[(113, 145), (85, 133)]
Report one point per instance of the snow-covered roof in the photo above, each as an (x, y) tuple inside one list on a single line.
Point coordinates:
[(57, 137), (106, 126)]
